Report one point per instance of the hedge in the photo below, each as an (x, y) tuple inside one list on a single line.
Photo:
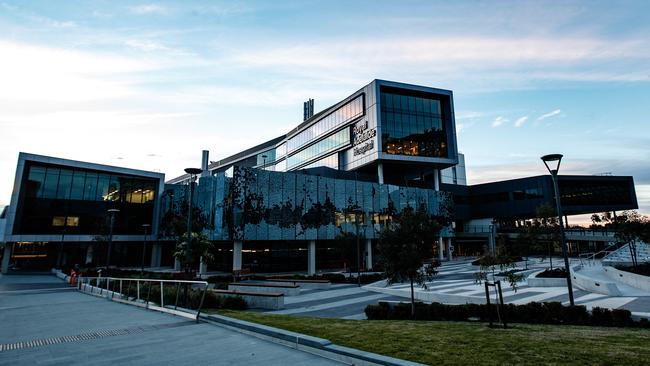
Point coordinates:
[(531, 313)]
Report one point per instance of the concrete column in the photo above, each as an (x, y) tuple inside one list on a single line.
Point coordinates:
[(311, 255), (449, 250), (203, 267), (380, 173), (440, 245), (177, 264), (236, 255), (368, 254), (156, 255), (90, 251), (436, 179), (6, 257), (204, 163)]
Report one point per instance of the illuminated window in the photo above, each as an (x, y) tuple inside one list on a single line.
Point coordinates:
[(72, 221), (58, 221)]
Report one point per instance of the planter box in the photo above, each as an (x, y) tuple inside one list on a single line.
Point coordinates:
[(254, 300), (286, 290)]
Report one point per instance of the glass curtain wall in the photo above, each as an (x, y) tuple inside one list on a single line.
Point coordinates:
[(74, 201), (339, 117), (328, 144), (412, 125)]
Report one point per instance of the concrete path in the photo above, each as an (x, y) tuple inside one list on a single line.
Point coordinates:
[(344, 301), (42, 322)]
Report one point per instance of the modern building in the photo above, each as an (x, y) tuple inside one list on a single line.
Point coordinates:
[(284, 205), (59, 213)]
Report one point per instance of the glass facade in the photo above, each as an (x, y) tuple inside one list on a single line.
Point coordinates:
[(66, 184), (412, 124), (265, 157), (331, 161), (328, 144), (339, 117), (59, 199)]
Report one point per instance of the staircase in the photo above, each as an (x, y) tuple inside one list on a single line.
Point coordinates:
[(622, 255)]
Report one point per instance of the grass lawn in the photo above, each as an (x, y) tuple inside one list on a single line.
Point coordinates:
[(473, 343)]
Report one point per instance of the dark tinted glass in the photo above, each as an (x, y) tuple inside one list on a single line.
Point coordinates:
[(65, 183), (412, 125), (51, 182)]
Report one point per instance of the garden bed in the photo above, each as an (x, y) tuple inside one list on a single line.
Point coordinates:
[(531, 313), (552, 273)]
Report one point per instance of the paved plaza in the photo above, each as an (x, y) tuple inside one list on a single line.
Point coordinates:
[(457, 278), (348, 301), (43, 322)]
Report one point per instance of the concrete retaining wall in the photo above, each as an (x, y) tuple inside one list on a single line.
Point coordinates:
[(630, 279), (303, 284), (534, 281), (286, 290), (256, 301), (593, 285)]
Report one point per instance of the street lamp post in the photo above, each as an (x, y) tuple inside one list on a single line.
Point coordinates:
[(111, 212), (358, 213), (145, 227), (193, 172), (264, 161), (551, 159)]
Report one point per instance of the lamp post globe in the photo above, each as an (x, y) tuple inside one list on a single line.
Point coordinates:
[(552, 163)]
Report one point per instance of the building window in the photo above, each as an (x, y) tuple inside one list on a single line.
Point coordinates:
[(323, 147), (58, 221), (412, 124), (344, 114)]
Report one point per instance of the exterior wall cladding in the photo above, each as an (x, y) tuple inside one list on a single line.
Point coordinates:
[(262, 205)]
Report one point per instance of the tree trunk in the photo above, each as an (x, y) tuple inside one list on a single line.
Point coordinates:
[(412, 300)]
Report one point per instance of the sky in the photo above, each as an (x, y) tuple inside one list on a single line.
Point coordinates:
[(148, 85)]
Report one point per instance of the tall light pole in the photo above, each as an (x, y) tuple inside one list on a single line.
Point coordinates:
[(193, 172), (112, 212), (264, 163), (556, 159), (358, 213), (145, 227)]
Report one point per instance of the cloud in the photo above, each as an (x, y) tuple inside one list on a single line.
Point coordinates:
[(37, 74), (499, 121), (520, 121), (148, 9), (145, 45), (549, 115)]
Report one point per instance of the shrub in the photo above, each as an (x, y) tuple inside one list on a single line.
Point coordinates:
[(621, 318), (552, 273), (233, 303), (601, 316), (576, 315), (377, 312), (531, 313)]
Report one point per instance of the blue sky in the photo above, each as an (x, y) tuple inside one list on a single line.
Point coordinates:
[(150, 84)]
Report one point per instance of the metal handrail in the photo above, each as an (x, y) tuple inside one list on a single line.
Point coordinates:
[(111, 291)]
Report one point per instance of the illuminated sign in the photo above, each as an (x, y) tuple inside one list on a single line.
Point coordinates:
[(362, 134)]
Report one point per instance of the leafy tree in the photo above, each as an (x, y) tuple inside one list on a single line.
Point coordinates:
[(406, 244), (199, 246), (629, 227)]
